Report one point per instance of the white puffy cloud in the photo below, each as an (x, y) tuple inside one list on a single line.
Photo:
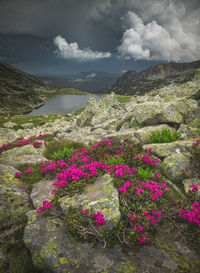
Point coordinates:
[(72, 51), (164, 38)]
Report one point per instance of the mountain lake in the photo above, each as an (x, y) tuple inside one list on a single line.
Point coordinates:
[(63, 104)]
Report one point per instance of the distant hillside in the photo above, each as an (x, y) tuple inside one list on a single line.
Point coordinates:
[(19, 91), (91, 82), (135, 82)]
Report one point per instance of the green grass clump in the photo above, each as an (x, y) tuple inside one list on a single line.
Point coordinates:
[(123, 99), (144, 173), (165, 136), (56, 147)]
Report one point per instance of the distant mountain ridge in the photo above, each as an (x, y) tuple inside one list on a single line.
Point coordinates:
[(135, 82), (19, 90), (94, 82)]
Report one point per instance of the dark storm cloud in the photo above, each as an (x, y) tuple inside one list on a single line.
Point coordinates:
[(133, 29)]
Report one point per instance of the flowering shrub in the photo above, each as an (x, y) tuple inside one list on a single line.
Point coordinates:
[(193, 215), (143, 193), (28, 141)]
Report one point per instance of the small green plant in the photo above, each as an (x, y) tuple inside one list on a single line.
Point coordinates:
[(144, 173), (165, 136), (63, 154), (57, 145), (114, 161)]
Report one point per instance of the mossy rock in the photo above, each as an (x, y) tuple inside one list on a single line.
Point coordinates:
[(174, 165), (101, 196)]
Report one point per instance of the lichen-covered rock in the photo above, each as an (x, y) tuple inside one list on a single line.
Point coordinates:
[(156, 112), (9, 124), (191, 181), (188, 131), (99, 112), (163, 150), (101, 196), (123, 134), (150, 256), (143, 134), (28, 125), (22, 155), (41, 191), (52, 249), (174, 165), (14, 198)]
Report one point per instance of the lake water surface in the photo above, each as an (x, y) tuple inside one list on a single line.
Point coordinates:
[(63, 104)]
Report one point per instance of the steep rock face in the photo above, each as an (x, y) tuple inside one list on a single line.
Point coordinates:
[(133, 82)]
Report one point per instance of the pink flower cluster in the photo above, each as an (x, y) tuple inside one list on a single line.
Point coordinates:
[(72, 172), (17, 174), (134, 217), (155, 217), (46, 204), (54, 165), (155, 189), (142, 240), (138, 228), (29, 170), (192, 216), (122, 170), (194, 187), (21, 142), (37, 144), (125, 187), (148, 160), (99, 217)]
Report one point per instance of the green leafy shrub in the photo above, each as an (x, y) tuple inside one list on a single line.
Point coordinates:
[(144, 173), (63, 154), (58, 145), (165, 136)]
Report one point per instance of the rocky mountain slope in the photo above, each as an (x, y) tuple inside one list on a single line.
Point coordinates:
[(19, 91), (135, 82), (174, 246)]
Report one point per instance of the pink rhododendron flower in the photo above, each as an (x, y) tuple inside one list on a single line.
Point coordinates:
[(17, 174), (157, 175), (46, 204), (194, 187), (142, 240), (139, 228), (138, 191), (85, 211), (29, 170)]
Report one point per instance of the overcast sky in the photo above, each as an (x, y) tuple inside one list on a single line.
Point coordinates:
[(72, 36)]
